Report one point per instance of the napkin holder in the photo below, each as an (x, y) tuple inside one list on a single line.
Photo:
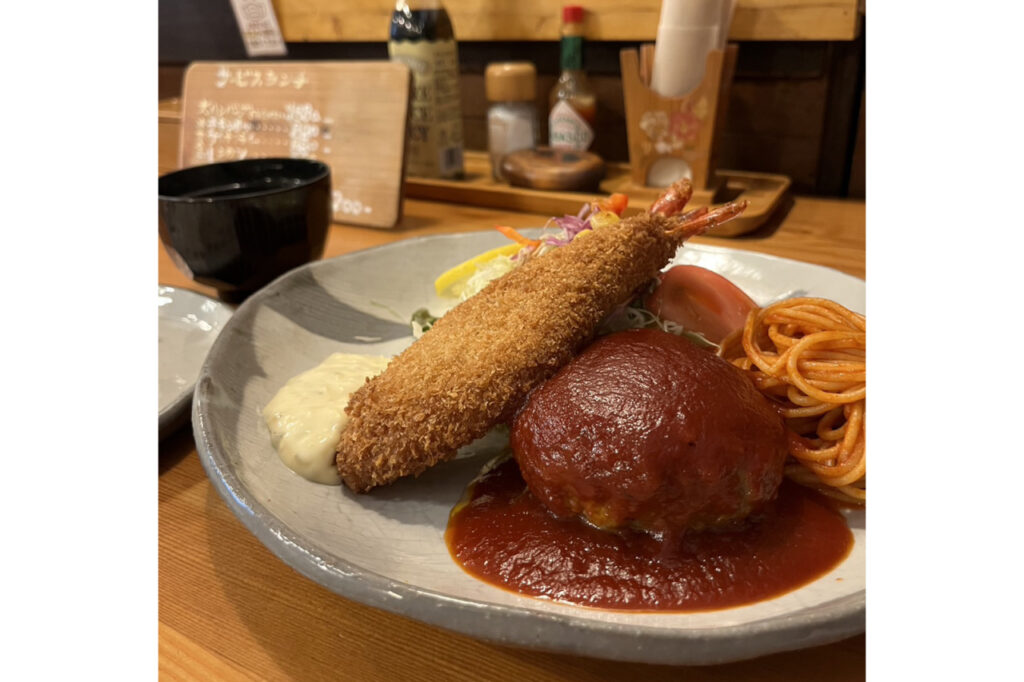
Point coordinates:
[(675, 127)]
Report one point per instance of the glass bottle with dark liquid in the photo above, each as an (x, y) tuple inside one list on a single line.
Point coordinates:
[(421, 37)]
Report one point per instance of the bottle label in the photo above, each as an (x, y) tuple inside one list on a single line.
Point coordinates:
[(567, 129), (434, 147)]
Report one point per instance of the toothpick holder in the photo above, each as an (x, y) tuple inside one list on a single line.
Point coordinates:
[(676, 127)]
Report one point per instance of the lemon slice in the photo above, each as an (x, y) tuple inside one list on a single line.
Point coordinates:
[(602, 218), (452, 281)]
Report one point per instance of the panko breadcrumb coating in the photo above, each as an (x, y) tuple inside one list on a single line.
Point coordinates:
[(476, 365)]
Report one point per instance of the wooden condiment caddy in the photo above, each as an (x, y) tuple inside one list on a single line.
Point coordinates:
[(675, 127), (687, 128)]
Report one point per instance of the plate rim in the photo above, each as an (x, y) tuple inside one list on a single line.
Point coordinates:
[(556, 632), (173, 415)]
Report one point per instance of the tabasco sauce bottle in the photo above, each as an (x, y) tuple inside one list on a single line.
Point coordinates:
[(573, 105)]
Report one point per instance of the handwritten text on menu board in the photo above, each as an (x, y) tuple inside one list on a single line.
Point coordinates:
[(350, 115)]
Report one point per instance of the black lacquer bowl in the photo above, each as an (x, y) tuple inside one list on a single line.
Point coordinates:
[(238, 225)]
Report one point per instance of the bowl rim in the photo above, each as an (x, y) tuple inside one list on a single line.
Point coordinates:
[(319, 171)]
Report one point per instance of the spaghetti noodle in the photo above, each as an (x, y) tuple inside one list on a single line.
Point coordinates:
[(808, 355)]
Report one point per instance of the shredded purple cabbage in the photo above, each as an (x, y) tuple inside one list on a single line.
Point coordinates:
[(570, 227)]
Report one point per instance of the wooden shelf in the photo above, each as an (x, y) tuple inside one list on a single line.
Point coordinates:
[(536, 20)]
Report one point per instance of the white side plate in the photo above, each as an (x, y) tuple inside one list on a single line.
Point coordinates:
[(188, 324)]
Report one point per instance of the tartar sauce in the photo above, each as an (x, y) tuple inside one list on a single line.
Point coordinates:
[(307, 415)]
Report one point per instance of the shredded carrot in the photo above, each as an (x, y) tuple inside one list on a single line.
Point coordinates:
[(516, 237), (616, 203)]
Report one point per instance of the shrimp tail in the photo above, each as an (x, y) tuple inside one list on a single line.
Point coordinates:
[(674, 199), (701, 220)]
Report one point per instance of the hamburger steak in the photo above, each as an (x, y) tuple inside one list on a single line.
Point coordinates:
[(645, 430)]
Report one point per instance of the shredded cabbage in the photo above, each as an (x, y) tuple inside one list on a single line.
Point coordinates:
[(485, 273), (635, 316), (632, 315), (422, 320), (569, 227)]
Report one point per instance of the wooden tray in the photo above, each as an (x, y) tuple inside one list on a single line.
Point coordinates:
[(764, 191)]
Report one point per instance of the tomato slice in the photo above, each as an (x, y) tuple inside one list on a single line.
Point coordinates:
[(700, 301)]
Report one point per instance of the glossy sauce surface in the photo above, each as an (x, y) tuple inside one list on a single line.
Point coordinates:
[(504, 536), (643, 429)]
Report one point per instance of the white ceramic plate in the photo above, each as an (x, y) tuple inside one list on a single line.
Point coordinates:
[(188, 324), (387, 548)]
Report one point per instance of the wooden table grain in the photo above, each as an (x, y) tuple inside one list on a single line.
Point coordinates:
[(229, 609)]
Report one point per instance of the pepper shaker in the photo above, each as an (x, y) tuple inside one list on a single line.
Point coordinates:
[(512, 122)]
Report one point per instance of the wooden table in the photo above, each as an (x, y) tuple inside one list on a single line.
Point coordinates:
[(229, 609)]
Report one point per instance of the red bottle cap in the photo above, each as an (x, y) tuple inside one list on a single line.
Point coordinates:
[(572, 14)]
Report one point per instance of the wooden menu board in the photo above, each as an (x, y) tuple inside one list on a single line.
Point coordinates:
[(350, 115)]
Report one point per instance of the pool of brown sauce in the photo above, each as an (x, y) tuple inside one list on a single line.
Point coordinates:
[(503, 535)]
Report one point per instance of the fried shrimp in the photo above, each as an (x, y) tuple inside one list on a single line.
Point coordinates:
[(474, 368)]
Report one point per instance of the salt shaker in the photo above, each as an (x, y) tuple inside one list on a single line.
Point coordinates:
[(512, 122)]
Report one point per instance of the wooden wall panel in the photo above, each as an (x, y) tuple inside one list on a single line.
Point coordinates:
[(858, 167), (777, 111), (520, 20)]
